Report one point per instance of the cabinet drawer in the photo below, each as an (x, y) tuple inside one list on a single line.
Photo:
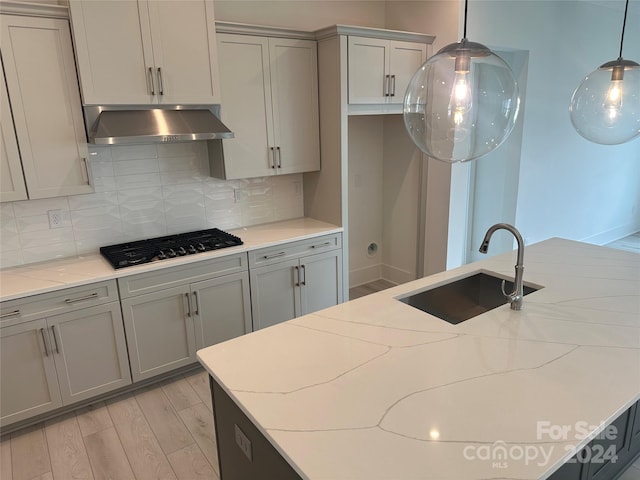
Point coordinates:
[(61, 301), (288, 251), (171, 277)]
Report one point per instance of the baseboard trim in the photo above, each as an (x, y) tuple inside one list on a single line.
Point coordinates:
[(614, 234), (365, 275)]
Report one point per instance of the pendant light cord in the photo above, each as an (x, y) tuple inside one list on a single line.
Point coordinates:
[(466, 5), (624, 23)]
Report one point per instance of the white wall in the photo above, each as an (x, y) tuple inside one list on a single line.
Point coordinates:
[(366, 135), (302, 14), (569, 187)]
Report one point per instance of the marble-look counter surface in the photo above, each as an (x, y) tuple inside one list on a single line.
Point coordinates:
[(43, 277), (376, 389)]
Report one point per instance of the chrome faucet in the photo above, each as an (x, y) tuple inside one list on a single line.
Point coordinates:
[(515, 297)]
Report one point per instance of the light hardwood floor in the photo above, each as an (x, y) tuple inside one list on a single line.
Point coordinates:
[(160, 432)]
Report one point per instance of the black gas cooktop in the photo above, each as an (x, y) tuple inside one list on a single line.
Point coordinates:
[(171, 246)]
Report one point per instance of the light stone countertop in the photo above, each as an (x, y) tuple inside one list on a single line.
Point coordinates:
[(376, 389), (43, 277)]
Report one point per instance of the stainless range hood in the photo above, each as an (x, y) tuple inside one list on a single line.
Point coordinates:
[(115, 125)]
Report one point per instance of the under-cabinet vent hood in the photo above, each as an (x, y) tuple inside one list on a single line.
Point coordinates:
[(113, 125)]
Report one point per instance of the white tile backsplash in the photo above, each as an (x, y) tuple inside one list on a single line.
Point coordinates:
[(143, 191)]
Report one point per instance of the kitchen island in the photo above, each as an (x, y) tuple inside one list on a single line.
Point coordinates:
[(377, 389)]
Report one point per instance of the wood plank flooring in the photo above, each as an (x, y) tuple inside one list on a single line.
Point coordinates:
[(368, 288), (164, 431)]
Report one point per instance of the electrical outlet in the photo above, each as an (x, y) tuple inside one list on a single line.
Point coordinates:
[(55, 218), (243, 442), (236, 195)]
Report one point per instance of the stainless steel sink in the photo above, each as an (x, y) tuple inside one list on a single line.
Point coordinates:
[(464, 298)]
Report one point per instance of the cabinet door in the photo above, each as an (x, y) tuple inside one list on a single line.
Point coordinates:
[(294, 92), (113, 57), (246, 105), (368, 69), (405, 60), (160, 333), (90, 352), (27, 372), (43, 87), (11, 178), (321, 281), (635, 429), (184, 50), (275, 293), (221, 308)]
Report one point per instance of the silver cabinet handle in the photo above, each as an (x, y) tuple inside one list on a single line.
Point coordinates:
[(297, 272), (304, 275), (44, 342), (320, 245), (152, 88), (55, 339), (15, 313), (160, 85), (273, 157), (195, 298), (386, 85), (80, 299), (275, 255), (393, 86), (279, 157), (186, 295)]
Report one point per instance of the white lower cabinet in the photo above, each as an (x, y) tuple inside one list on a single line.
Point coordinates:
[(27, 372), (205, 303), (159, 332), (283, 287), (60, 360)]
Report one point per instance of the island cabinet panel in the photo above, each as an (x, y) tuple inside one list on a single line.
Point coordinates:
[(44, 99), (243, 451), (163, 52), (287, 281), (49, 361), (269, 92), (635, 430)]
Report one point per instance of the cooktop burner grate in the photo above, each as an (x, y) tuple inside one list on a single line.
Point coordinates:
[(162, 248)]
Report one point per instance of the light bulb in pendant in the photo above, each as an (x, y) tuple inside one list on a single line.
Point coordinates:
[(460, 103), (613, 97)]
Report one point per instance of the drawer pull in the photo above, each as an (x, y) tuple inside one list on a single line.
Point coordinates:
[(15, 313), (92, 296), (275, 255), (44, 342), (325, 244), (55, 339)]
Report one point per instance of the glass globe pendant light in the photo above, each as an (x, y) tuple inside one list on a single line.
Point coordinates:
[(605, 107), (462, 103)]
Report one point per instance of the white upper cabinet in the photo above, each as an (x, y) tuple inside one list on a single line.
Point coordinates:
[(269, 92), (12, 186), (146, 52), (380, 70), (45, 101)]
